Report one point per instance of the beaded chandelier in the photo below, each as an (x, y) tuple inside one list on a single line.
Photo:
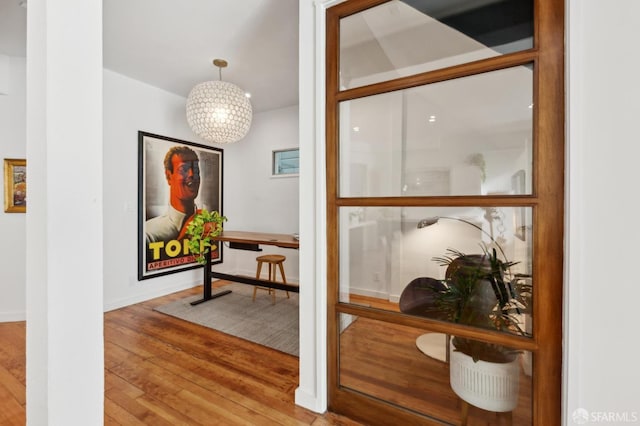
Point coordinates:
[(219, 111)]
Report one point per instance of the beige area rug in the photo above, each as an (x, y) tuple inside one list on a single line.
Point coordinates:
[(275, 326)]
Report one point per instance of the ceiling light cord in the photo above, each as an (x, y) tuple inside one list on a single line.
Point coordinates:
[(220, 63)]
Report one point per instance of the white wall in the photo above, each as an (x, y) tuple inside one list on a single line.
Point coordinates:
[(600, 326), (64, 221), (5, 77), (12, 225), (252, 200), (130, 106), (602, 290), (312, 392)]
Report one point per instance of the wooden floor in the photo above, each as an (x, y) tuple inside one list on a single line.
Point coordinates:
[(381, 360), (160, 370)]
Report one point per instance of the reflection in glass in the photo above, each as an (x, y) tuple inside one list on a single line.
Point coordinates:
[(401, 38), (404, 366), (468, 136), (419, 260)]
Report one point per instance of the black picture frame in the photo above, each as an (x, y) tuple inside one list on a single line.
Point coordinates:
[(166, 253)]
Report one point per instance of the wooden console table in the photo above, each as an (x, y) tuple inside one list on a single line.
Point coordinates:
[(247, 241)]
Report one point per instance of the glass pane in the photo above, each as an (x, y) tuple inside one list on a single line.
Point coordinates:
[(411, 368), (402, 38), (286, 162), (468, 136), (440, 263)]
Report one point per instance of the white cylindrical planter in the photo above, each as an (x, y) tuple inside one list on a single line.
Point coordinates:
[(487, 385)]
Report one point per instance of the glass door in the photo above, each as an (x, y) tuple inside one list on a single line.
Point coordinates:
[(445, 158)]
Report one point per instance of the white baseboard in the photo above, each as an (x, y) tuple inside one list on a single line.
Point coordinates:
[(369, 293), (375, 293), (309, 401), (143, 297), (13, 316), (394, 298)]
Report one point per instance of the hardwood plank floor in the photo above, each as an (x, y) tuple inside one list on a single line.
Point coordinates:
[(160, 370), (12, 373), (381, 359)]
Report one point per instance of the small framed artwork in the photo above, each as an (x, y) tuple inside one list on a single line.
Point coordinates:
[(15, 185), (176, 179), (285, 162)]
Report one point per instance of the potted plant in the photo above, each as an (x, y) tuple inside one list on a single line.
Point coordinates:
[(201, 230), (481, 291)]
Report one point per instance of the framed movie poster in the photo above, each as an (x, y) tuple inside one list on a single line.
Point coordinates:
[(176, 178)]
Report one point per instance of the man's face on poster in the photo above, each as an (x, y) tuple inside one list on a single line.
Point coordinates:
[(185, 178)]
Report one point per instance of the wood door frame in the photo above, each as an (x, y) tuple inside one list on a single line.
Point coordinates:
[(546, 201)]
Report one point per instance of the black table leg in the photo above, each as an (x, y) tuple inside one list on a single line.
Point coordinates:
[(206, 285)]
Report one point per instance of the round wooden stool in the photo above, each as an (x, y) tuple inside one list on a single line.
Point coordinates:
[(272, 260)]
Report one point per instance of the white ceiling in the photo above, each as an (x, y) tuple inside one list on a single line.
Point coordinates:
[(171, 44)]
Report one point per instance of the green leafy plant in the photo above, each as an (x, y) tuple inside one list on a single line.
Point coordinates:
[(480, 290), (201, 230)]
